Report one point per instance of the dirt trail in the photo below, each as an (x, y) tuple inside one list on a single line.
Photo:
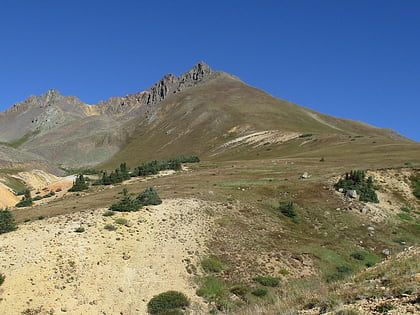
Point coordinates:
[(50, 267)]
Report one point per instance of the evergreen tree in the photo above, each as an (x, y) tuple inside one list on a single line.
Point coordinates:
[(7, 222), (79, 184)]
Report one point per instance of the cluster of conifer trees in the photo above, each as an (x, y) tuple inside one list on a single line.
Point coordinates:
[(356, 180)]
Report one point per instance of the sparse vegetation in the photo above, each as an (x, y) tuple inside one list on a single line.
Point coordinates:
[(121, 221), (214, 290), (7, 222), (108, 213), (110, 227), (211, 265), (2, 278), (260, 291), (267, 281), (167, 301)]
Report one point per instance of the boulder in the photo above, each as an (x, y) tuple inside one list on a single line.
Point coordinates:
[(351, 193)]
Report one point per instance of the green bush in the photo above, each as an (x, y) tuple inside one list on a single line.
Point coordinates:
[(110, 227), (260, 291), (268, 281), (405, 209), (167, 301), (127, 204), (415, 181), (358, 256), (80, 229), (305, 135), (213, 289), (7, 222), (121, 221), (25, 202), (108, 213), (405, 216), (2, 278), (288, 208), (211, 265), (149, 197)]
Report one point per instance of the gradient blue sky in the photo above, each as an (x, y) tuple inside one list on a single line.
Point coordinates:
[(357, 59)]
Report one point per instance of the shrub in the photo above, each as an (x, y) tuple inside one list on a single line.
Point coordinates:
[(80, 229), (415, 181), (149, 197), (108, 213), (37, 198), (213, 289), (405, 209), (268, 281), (211, 265), (2, 278), (121, 221), (127, 204), (288, 208), (260, 291), (344, 269), (24, 192), (357, 255), (284, 272), (110, 227), (25, 202), (167, 301), (305, 135), (238, 290), (7, 222), (405, 216), (41, 217)]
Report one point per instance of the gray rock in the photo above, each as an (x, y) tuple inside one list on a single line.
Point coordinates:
[(351, 193), (305, 175), (386, 252)]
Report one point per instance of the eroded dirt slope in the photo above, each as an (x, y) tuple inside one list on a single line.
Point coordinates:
[(50, 267)]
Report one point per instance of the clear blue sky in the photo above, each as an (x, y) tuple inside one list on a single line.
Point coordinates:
[(357, 59)]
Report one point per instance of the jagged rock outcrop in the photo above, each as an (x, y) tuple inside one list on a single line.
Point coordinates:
[(168, 85)]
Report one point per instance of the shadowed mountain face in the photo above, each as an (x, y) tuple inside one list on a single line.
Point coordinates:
[(202, 111)]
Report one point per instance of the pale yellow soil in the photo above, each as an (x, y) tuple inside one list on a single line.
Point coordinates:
[(50, 267), (7, 198)]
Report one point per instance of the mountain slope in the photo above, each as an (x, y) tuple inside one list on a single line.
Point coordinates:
[(202, 111), (224, 116)]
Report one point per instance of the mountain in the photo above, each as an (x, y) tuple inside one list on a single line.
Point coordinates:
[(211, 113), (240, 232)]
